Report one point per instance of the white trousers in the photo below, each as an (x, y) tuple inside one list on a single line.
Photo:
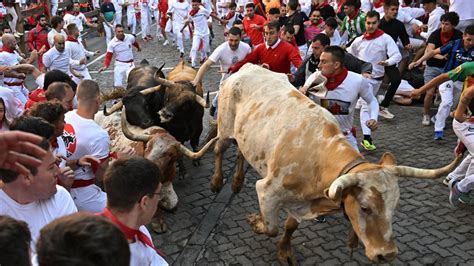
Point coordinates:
[(90, 199), (364, 109), (85, 75), (11, 11), (352, 140), (195, 47), (132, 20), (121, 71), (168, 30), (54, 7), (465, 171), (145, 21), (109, 33), (179, 35), (118, 17), (450, 92)]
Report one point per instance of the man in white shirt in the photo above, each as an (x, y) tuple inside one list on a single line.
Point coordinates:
[(74, 15), (118, 5), (465, 10), (178, 12), (434, 22), (134, 189), (378, 48), (131, 18), (145, 19), (35, 198), (57, 24), (83, 136), (59, 58), (198, 16)]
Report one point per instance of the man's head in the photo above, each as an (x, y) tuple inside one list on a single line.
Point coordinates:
[(195, 4), (73, 30), (390, 8), (331, 60), (270, 32), (318, 44), (250, 10), (133, 185), (330, 26), (15, 238), (9, 41), (289, 34), (449, 21), (88, 95), (429, 5), (76, 7), (57, 22), (42, 20), (468, 37), (234, 36), (34, 125), (59, 42), (62, 92), (372, 20), (51, 111), (273, 14), (283, 10), (351, 7), (232, 7), (58, 75), (292, 5), (119, 33), (82, 239)]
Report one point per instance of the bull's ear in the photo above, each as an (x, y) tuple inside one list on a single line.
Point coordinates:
[(387, 159)]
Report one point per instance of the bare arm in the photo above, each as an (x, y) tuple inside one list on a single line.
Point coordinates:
[(432, 83), (466, 98)]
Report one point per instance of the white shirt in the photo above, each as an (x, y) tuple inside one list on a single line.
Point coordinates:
[(345, 97), (200, 21), (221, 9), (376, 50), (84, 137), (336, 39), (434, 22), (143, 255), (305, 6), (464, 8), (39, 213), (53, 59), (53, 33), (10, 59), (227, 57), (79, 19), (13, 106), (179, 12), (77, 52), (122, 49), (117, 6)]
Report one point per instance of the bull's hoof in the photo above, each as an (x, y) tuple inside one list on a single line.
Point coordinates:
[(159, 227), (255, 221), (216, 184), (286, 257), (237, 185)]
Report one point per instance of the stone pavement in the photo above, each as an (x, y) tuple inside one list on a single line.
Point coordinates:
[(210, 228)]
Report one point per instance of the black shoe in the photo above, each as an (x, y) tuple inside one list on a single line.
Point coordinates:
[(181, 55), (320, 219), (212, 110)]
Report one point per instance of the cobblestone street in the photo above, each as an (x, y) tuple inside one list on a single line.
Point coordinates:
[(211, 228)]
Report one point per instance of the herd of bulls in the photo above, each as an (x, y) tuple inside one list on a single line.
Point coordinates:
[(290, 141)]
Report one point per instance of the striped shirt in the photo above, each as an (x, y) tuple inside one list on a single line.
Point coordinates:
[(354, 27)]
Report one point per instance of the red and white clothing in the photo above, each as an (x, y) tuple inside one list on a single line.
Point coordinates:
[(53, 33), (85, 137), (179, 11), (53, 59), (77, 18), (256, 35), (78, 52), (37, 39), (39, 213), (434, 22), (222, 7), (145, 17), (200, 33), (122, 49), (131, 18), (227, 57), (11, 58), (118, 11), (13, 106)]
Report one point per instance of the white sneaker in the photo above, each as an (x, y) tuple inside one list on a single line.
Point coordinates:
[(446, 180), (380, 98), (426, 120), (383, 112), (166, 43)]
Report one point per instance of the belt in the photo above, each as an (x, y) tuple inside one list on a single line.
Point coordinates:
[(83, 183), (129, 61), (13, 83), (471, 119), (379, 78)]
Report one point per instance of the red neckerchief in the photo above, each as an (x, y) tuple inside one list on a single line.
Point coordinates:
[(335, 80), (71, 39), (54, 143), (74, 13), (8, 50), (193, 12), (374, 35), (446, 36), (356, 12), (229, 15), (379, 4), (130, 233), (319, 6)]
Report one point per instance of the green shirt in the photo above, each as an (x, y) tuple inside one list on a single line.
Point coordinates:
[(354, 27), (462, 72)]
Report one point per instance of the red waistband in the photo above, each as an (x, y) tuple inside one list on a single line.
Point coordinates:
[(471, 120), (129, 61), (83, 183), (13, 83)]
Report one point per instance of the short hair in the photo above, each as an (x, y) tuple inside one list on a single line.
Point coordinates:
[(127, 181), (469, 30), (15, 238), (322, 38), (273, 25), (373, 14), (331, 22), (87, 90), (40, 16), (290, 30), (196, 1), (237, 22), (354, 3), (235, 31), (57, 75), (71, 27), (232, 5), (452, 17), (293, 4), (389, 3), (34, 125), (56, 20), (248, 5), (50, 111), (57, 90), (274, 11), (119, 26), (336, 52), (82, 239)]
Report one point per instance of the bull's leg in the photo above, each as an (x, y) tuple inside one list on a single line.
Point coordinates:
[(267, 221), (158, 224), (219, 149), (285, 252), (181, 168), (195, 141), (239, 175)]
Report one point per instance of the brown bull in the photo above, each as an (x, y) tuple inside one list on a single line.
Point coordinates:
[(308, 167)]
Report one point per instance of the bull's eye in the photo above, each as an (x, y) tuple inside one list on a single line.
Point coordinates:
[(365, 209)]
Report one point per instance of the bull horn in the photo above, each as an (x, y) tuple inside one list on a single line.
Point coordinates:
[(113, 109), (196, 155), (201, 101), (427, 173), (165, 82), (341, 183), (150, 90), (161, 67), (128, 133), (207, 99)]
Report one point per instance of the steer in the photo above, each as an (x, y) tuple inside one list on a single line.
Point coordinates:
[(308, 167)]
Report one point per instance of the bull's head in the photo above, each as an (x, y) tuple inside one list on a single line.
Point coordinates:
[(369, 199), (179, 98)]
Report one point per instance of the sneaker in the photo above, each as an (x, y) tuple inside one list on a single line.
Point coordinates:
[(454, 193), (385, 113), (446, 180), (166, 43), (439, 135), (464, 198), (368, 145), (380, 98), (426, 120)]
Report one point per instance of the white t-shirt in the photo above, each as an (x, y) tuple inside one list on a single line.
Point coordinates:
[(53, 59), (200, 21), (10, 59), (39, 213), (335, 39), (226, 57), (13, 106), (77, 52), (434, 22), (53, 33), (61, 151), (180, 12), (221, 9), (142, 254), (79, 19), (464, 8), (122, 49)]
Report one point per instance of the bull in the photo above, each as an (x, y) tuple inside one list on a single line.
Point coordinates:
[(155, 144), (308, 167)]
